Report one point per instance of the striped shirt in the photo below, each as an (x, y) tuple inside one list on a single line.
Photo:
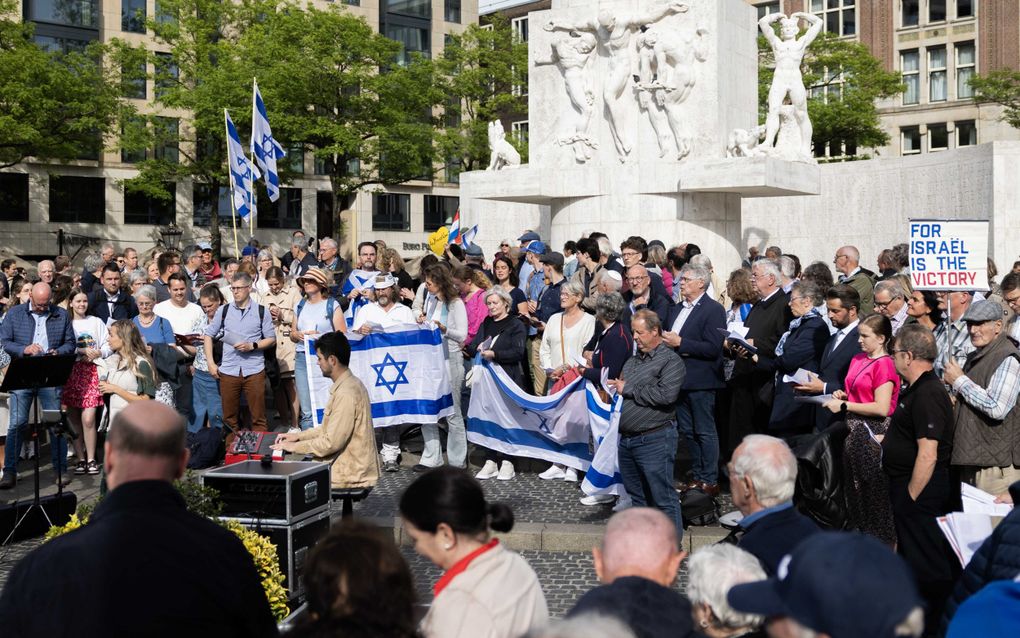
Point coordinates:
[(961, 346), (999, 397), (652, 387)]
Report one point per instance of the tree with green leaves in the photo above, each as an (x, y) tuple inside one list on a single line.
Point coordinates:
[(844, 80), (54, 106), (488, 74), (1002, 87)]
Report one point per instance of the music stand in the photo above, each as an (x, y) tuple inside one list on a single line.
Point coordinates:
[(36, 373)]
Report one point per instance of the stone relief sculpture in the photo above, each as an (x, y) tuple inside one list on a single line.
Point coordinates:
[(614, 31), (571, 53), (502, 153), (788, 83), (666, 78), (744, 142)]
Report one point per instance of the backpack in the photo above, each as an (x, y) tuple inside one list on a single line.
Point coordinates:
[(330, 308), (698, 508), (207, 448), (272, 364)]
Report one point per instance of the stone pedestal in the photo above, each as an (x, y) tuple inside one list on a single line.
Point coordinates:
[(647, 155)]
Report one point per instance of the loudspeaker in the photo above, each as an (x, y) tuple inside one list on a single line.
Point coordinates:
[(35, 524), (293, 543)]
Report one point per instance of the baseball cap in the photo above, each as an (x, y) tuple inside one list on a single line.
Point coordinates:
[(843, 584), (993, 611), (553, 259), (205, 246), (383, 281), (529, 236), (536, 247), (249, 250), (474, 250), (982, 311)]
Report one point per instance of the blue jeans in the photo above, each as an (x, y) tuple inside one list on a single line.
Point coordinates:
[(304, 394), (646, 466), (205, 402), (21, 405), (695, 417)]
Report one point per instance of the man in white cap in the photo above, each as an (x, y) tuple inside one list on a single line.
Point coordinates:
[(383, 314)]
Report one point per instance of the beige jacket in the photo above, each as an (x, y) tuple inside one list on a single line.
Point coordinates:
[(497, 596), (345, 434), (287, 300)]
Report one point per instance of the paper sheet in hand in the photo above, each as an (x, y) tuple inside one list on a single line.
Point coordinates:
[(819, 399), (736, 338), (965, 532), (800, 377), (977, 501)]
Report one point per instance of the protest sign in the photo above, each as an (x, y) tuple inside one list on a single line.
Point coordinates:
[(948, 254)]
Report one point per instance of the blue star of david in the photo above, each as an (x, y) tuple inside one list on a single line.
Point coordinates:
[(543, 422), (380, 378)]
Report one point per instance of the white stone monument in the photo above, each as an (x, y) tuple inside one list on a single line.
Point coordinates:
[(632, 104)]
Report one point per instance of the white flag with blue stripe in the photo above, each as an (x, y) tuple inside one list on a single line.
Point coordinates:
[(264, 148), (404, 371), (242, 171), (357, 280), (573, 427)]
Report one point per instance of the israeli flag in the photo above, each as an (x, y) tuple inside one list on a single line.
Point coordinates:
[(357, 280), (469, 235), (264, 149), (242, 171), (573, 427)]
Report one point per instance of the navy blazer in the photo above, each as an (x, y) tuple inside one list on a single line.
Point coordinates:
[(701, 343), (775, 535), (656, 303), (123, 308), (802, 349), (832, 371), (18, 330)]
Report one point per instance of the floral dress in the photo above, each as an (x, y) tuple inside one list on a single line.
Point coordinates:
[(82, 388)]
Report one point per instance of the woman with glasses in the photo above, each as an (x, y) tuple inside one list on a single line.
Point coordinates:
[(206, 403), (264, 262), (154, 330)]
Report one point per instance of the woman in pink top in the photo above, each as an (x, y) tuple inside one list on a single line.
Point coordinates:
[(872, 389), (472, 285)]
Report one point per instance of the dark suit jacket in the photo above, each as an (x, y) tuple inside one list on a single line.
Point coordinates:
[(701, 343), (803, 349), (832, 371), (774, 535), (766, 323), (656, 303), (123, 308)]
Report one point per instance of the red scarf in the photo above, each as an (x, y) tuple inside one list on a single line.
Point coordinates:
[(461, 565)]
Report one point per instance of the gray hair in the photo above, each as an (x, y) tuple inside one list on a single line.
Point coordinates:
[(696, 272), (137, 275), (148, 291), (328, 241), (503, 295), (587, 625), (787, 266), (605, 247), (93, 262), (768, 267), (770, 465), (609, 307), (242, 278), (573, 288), (265, 253), (702, 260), (190, 250), (301, 243), (892, 287), (613, 284), (811, 290), (712, 571)]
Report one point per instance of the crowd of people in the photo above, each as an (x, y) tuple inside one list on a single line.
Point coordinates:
[(910, 391)]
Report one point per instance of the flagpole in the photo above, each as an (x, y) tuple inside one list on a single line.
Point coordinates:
[(251, 190), (230, 178)]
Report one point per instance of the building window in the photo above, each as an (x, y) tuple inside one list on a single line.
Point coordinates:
[(14, 197), (80, 13), (454, 167), (416, 8), (966, 133), (910, 140), (519, 131), (439, 211), (765, 8), (938, 137), (132, 81), (520, 27), (937, 74), (132, 16), (964, 70), (132, 128), (166, 131), (936, 10), (964, 8), (839, 16), (77, 199), (391, 211), (295, 160), (452, 11), (167, 74), (910, 68), (283, 213), (910, 13), (145, 210), (56, 44), (412, 40), (205, 201)]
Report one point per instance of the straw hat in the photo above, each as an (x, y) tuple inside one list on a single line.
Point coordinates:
[(316, 275)]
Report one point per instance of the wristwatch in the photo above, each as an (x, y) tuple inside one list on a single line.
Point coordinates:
[(254, 345)]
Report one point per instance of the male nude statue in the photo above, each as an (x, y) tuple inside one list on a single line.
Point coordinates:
[(570, 53), (789, 53), (614, 32)]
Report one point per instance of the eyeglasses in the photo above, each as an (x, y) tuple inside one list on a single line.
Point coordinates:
[(630, 253), (641, 278), (882, 304), (504, 245), (896, 352), (238, 288), (838, 257), (686, 279)]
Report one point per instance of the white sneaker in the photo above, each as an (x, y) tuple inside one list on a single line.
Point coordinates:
[(625, 502), (554, 472), (488, 471), (598, 499), (506, 471), (294, 431), (570, 475)]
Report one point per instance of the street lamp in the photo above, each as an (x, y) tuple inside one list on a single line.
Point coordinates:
[(171, 236)]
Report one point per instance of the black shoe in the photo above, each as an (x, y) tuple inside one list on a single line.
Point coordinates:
[(93, 467), (390, 466), (419, 468), (8, 482), (80, 468), (63, 481)]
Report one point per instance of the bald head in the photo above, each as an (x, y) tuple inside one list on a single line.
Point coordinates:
[(41, 294), (146, 443), (639, 541)]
